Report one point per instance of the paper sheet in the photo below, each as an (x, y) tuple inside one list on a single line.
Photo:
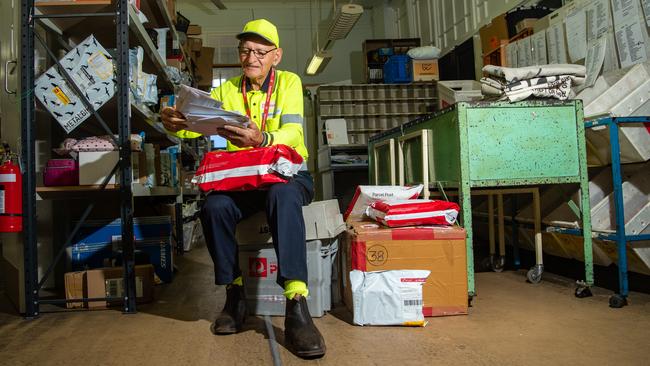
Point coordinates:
[(204, 114), (629, 34), (576, 35), (511, 54), (524, 52), (595, 57), (598, 19), (555, 44), (646, 11), (539, 48)]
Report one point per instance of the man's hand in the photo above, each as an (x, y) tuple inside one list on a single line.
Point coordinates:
[(172, 119), (242, 137)]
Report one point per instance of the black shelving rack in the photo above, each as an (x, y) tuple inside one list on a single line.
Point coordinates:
[(28, 155)]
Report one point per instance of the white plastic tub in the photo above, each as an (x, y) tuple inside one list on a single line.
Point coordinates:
[(259, 265), (453, 91)]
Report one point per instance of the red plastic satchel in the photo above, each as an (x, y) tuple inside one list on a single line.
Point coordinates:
[(413, 212), (247, 170)]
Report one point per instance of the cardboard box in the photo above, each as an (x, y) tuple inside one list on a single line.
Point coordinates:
[(492, 33), (171, 10), (336, 131), (107, 282), (176, 62), (91, 69), (323, 220), (204, 63), (525, 23), (439, 249), (195, 43), (425, 70), (98, 241), (94, 166), (194, 30)]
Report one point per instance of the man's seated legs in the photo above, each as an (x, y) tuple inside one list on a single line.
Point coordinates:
[(284, 214), (219, 216)]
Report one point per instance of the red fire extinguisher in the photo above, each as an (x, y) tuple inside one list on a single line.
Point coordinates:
[(11, 196)]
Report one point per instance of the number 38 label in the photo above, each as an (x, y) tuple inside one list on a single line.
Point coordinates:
[(377, 255)]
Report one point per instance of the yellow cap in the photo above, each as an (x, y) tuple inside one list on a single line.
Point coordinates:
[(262, 28)]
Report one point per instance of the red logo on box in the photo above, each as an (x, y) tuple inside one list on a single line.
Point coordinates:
[(257, 267)]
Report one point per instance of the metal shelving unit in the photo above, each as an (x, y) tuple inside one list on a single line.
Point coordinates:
[(619, 236), (114, 24)]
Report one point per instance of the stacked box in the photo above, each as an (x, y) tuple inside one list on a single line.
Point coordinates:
[(259, 266), (441, 250), (97, 244)]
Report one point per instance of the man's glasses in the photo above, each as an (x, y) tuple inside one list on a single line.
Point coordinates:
[(243, 51)]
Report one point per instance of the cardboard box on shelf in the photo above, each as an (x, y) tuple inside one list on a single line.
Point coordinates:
[(492, 33), (176, 62), (525, 23), (171, 10), (94, 166), (194, 30), (107, 282), (368, 246), (91, 71), (204, 64), (425, 70), (195, 43)]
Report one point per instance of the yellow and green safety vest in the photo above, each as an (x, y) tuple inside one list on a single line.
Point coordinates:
[(285, 120)]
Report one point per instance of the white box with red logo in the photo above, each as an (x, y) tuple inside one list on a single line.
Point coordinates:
[(259, 266)]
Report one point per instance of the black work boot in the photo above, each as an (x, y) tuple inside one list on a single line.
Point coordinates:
[(233, 315), (300, 333)]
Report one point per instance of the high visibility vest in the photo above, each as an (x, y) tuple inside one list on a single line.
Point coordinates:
[(285, 120)]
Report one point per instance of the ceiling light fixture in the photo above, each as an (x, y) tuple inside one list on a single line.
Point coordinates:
[(346, 17), (318, 62)]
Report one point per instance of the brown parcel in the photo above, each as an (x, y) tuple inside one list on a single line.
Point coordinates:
[(425, 70), (492, 34), (441, 250), (92, 284)]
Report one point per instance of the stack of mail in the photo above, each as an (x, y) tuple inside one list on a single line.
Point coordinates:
[(204, 114), (548, 81)]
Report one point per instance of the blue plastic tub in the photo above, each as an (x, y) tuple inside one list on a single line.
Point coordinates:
[(398, 70)]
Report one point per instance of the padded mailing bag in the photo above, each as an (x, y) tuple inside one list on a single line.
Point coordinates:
[(247, 169), (413, 212)]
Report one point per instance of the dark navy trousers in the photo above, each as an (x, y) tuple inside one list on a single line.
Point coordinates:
[(283, 205)]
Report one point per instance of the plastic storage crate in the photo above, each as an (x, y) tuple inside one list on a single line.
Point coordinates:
[(453, 91), (398, 70), (259, 266)]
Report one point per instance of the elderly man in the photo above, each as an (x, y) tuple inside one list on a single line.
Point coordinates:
[(273, 101)]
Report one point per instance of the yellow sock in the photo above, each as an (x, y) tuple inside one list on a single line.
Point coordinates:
[(238, 281), (293, 287)]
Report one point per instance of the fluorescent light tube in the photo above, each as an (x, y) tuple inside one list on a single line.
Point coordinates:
[(318, 62), (346, 17)]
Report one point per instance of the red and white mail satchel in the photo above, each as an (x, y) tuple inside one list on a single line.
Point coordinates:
[(246, 170), (413, 212)]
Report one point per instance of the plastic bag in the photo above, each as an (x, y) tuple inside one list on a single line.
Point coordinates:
[(388, 297), (365, 195)]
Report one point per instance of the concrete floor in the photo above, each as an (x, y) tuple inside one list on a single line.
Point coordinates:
[(511, 323)]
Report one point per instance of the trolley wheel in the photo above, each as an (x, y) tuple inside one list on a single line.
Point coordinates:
[(617, 301), (497, 263), (533, 275), (469, 300), (583, 291)]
